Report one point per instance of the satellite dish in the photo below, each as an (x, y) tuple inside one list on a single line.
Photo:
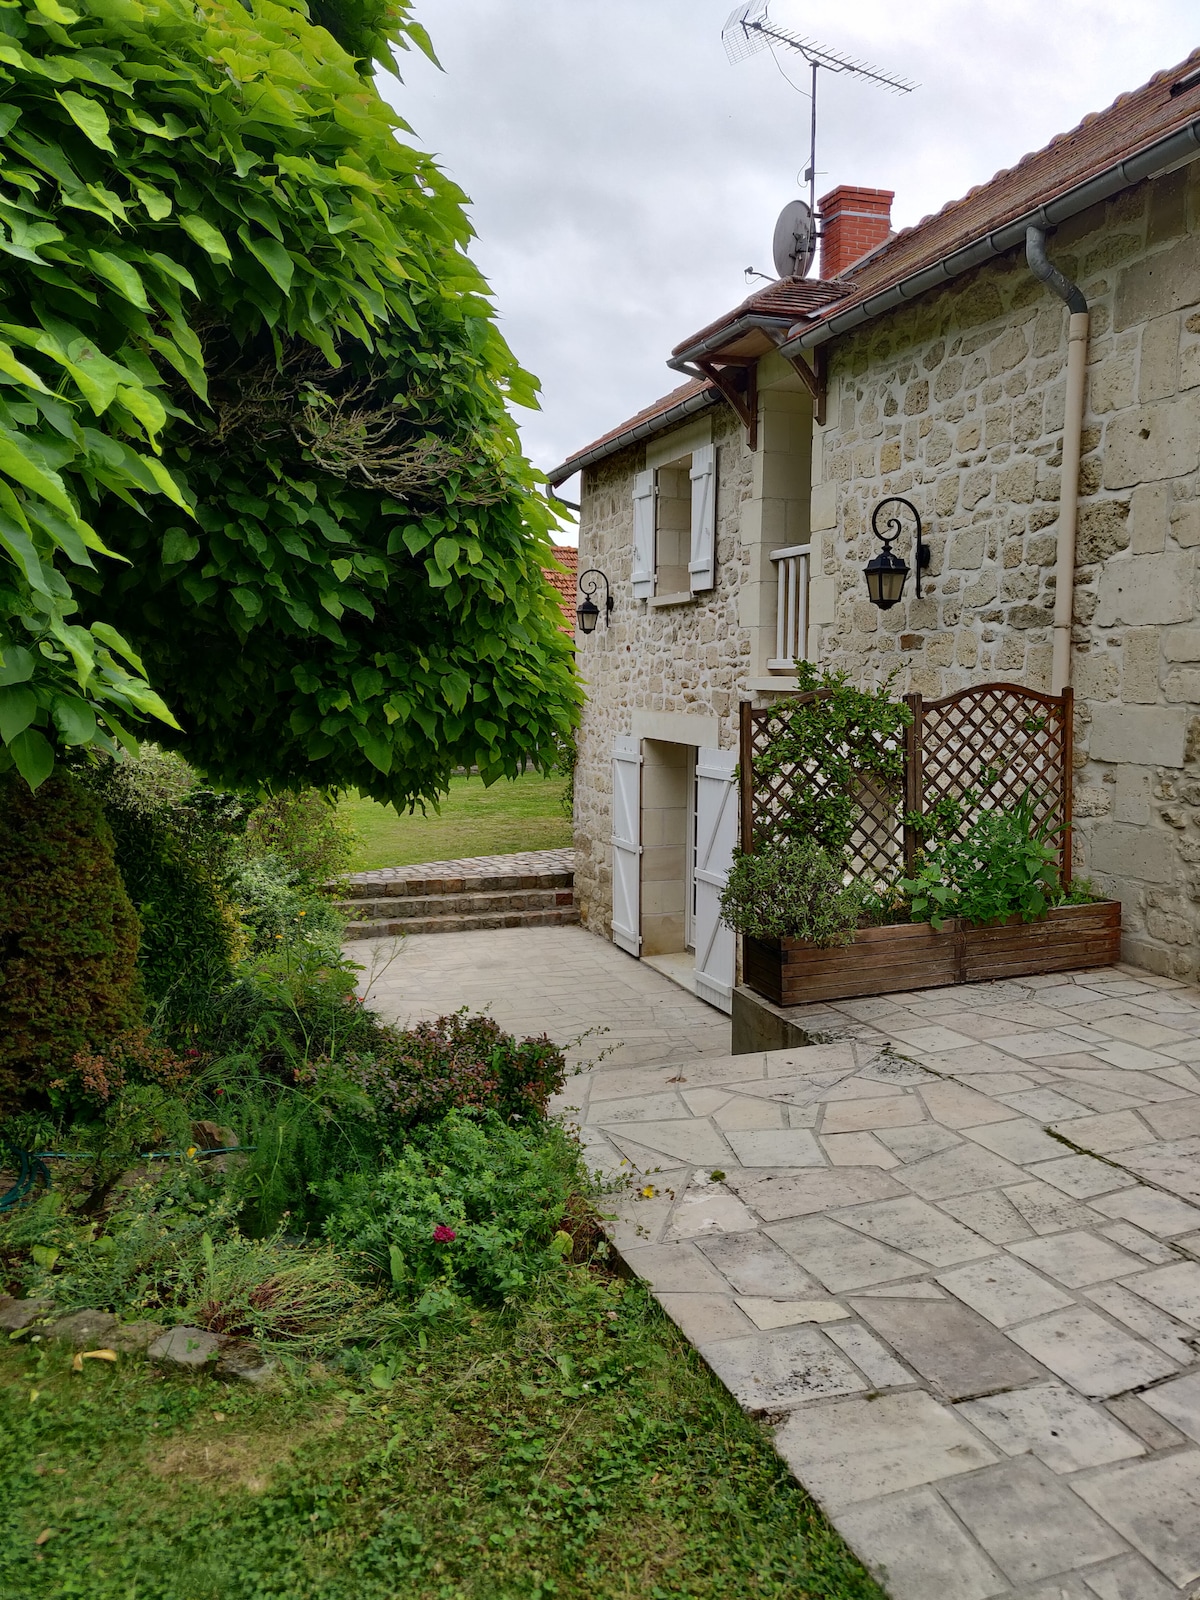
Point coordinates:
[(795, 241)]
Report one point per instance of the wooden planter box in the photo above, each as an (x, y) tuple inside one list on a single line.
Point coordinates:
[(911, 955)]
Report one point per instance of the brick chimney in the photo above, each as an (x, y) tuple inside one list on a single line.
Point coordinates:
[(853, 221)]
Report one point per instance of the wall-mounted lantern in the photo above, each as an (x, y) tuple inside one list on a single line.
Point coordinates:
[(588, 611), (886, 572)]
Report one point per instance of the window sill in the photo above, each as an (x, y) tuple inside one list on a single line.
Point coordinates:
[(777, 683), (683, 599)]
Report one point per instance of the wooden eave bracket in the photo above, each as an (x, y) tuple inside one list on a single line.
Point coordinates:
[(743, 400), (813, 379), (743, 396)]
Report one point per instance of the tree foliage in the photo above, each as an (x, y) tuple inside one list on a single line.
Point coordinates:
[(254, 444)]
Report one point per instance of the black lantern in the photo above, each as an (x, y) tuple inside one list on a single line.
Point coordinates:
[(886, 572), (588, 611)]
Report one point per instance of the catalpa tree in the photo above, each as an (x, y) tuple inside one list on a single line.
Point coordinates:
[(258, 479)]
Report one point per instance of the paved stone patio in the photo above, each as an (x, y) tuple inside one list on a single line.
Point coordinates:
[(952, 1255), (560, 981)]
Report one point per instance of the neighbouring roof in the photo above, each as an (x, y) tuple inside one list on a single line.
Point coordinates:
[(567, 556), (681, 403), (1108, 151)]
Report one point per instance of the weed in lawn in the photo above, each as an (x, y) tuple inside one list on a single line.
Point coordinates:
[(574, 1447)]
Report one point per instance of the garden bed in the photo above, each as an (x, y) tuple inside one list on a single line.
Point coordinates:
[(914, 955)]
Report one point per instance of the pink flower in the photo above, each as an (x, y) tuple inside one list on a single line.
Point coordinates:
[(442, 1234)]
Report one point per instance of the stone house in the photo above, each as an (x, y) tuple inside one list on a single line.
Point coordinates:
[(732, 521)]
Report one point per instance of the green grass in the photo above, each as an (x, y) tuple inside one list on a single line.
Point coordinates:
[(523, 813), (575, 1448)]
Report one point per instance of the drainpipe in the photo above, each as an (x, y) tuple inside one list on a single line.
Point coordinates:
[(1068, 504)]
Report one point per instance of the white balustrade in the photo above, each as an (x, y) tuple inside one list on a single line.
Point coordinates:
[(791, 608)]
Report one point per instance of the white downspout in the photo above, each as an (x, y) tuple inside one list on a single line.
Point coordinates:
[(1068, 503)]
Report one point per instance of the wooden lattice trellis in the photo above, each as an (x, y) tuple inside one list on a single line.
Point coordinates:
[(998, 742)]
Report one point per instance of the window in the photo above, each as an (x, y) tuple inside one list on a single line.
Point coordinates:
[(675, 527)]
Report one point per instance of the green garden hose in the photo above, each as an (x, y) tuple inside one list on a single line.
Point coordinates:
[(32, 1168)]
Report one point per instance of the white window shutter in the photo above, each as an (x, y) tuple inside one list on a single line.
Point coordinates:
[(703, 564), (627, 844), (716, 835), (643, 536)]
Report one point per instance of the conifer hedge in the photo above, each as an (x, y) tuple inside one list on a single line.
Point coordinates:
[(68, 934)]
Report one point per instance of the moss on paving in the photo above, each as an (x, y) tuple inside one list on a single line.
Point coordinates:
[(574, 1448), (522, 813)]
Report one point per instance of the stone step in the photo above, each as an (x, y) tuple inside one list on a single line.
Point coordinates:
[(557, 917), (474, 883), (469, 903)]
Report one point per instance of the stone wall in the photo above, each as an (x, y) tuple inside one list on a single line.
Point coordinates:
[(957, 403), (687, 659)]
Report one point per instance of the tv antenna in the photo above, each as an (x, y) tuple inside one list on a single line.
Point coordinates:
[(749, 30)]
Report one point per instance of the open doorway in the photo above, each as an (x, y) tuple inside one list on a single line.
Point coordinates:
[(686, 823), (668, 859)]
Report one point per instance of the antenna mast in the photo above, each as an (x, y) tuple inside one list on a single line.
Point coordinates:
[(750, 29)]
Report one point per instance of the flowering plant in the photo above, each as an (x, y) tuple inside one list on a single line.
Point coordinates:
[(498, 1191)]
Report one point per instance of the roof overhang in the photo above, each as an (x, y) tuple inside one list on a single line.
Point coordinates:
[(1154, 160), (704, 400), (746, 339)]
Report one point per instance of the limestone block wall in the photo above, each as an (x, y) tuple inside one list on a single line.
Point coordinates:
[(957, 403), (670, 661)]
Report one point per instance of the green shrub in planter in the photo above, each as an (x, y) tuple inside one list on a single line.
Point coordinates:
[(1005, 865), (791, 891), (68, 934)]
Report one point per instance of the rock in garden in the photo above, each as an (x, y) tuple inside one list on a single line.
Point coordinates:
[(17, 1314), (132, 1338), (84, 1330), (211, 1136), (185, 1347), (244, 1363)]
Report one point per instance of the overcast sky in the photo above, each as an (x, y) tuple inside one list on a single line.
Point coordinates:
[(622, 173)]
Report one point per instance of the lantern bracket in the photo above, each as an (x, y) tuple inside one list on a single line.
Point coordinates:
[(588, 611), (921, 552)]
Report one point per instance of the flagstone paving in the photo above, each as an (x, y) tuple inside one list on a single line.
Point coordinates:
[(951, 1255)]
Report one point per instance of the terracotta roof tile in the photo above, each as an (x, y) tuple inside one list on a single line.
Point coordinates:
[(685, 391), (790, 297), (1099, 142), (567, 556)]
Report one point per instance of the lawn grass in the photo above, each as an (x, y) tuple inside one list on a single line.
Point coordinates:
[(522, 813), (573, 1448)]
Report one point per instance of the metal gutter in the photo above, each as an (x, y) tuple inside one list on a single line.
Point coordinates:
[(751, 322), (641, 430), (1162, 156)]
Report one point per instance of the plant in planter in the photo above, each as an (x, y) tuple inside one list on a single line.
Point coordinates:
[(793, 890), (851, 740), (1004, 866)]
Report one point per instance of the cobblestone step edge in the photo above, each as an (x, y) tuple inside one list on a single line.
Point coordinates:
[(422, 888), (563, 917)]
